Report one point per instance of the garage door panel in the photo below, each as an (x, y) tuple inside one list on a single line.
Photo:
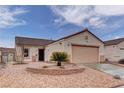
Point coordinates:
[(85, 54)]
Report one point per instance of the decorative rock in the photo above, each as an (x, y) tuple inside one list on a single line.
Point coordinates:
[(55, 71)]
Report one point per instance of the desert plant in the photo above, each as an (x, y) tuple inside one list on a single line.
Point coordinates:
[(121, 61), (59, 57)]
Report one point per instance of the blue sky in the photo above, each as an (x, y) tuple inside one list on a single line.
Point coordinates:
[(54, 22)]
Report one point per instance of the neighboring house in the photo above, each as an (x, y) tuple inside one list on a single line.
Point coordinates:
[(82, 47), (114, 49), (30, 49), (7, 55), (0, 56)]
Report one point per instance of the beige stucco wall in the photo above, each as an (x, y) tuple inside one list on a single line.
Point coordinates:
[(113, 52), (77, 39), (18, 53), (33, 53), (55, 47), (11, 57)]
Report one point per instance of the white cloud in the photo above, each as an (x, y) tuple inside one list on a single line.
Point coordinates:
[(72, 14), (116, 37), (91, 15), (109, 10), (8, 16), (97, 22)]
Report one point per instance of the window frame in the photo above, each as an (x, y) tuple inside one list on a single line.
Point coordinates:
[(26, 55)]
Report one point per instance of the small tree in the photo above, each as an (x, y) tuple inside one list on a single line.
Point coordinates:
[(59, 57)]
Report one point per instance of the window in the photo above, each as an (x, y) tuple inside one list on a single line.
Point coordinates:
[(26, 52), (121, 48)]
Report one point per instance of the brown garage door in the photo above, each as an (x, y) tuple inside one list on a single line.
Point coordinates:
[(85, 54)]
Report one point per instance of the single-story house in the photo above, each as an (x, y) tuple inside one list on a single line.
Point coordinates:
[(114, 49), (30, 49), (82, 47), (7, 54)]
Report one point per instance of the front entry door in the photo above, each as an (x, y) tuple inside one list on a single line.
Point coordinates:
[(41, 54)]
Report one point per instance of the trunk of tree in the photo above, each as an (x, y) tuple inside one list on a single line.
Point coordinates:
[(58, 63)]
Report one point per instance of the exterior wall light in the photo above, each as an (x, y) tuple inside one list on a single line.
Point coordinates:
[(86, 38)]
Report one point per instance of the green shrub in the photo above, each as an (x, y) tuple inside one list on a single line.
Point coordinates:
[(59, 57), (121, 61)]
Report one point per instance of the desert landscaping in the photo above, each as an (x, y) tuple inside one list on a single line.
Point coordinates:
[(17, 76)]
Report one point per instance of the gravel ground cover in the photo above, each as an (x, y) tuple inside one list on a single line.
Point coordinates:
[(16, 76)]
